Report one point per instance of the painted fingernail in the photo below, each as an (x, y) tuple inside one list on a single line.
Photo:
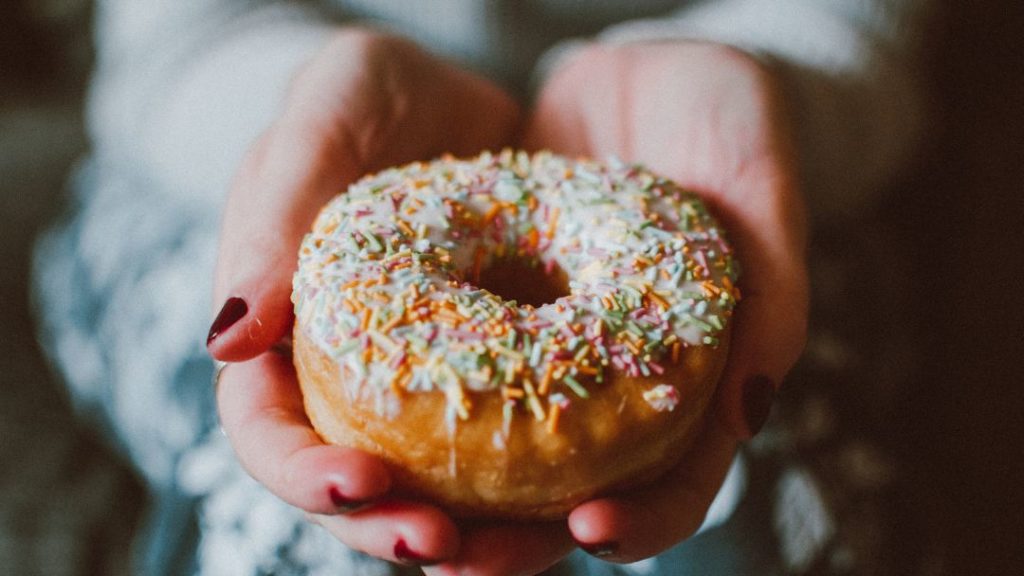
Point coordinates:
[(758, 396), (343, 503), (232, 312), (410, 558), (600, 549)]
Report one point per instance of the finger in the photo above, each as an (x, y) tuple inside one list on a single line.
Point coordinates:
[(284, 180), (770, 322), (261, 412), (643, 523), (404, 532), (507, 549)]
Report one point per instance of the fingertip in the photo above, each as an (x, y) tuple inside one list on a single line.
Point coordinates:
[(403, 532), (327, 479), (596, 525), (233, 310), (425, 535), (249, 325), (627, 530), (768, 336), (407, 555)]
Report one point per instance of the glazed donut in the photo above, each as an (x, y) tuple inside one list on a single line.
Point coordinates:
[(408, 342)]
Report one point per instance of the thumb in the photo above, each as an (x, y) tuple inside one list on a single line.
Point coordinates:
[(768, 335), (770, 322), (284, 180)]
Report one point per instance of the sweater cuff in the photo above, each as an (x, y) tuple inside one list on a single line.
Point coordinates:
[(182, 108)]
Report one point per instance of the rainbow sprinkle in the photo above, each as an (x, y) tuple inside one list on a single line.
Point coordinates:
[(385, 284)]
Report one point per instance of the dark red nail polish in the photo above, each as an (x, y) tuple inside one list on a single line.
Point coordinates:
[(758, 397), (232, 312), (599, 549), (410, 558), (343, 503)]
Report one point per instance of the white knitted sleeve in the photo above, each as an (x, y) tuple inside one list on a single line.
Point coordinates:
[(181, 88), (851, 72)]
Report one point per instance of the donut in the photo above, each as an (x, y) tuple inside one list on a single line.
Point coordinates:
[(513, 334)]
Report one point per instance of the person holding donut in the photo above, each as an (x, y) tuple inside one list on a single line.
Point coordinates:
[(768, 115)]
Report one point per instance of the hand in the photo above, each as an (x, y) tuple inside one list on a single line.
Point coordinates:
[(366, 101), (710, 118)]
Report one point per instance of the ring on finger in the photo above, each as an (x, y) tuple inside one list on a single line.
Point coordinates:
[(218, 369)]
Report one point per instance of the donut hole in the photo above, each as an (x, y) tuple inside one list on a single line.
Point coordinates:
[(527, 283)]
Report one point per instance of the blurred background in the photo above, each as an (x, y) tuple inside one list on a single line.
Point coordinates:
[(955, 217)]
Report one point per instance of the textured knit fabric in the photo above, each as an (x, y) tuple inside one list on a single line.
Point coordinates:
[(183, 88)]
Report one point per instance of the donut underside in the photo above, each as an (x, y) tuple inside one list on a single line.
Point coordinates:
[(610, 441)]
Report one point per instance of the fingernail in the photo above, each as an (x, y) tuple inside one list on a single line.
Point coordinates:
[(758, 396), (232, 312), (410, 558), (600, 549), (343, 503)]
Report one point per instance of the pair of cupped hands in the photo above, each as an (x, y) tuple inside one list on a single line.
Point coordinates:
[(707, 116)]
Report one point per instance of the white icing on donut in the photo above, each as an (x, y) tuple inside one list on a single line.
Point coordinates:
[(385, 280)]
